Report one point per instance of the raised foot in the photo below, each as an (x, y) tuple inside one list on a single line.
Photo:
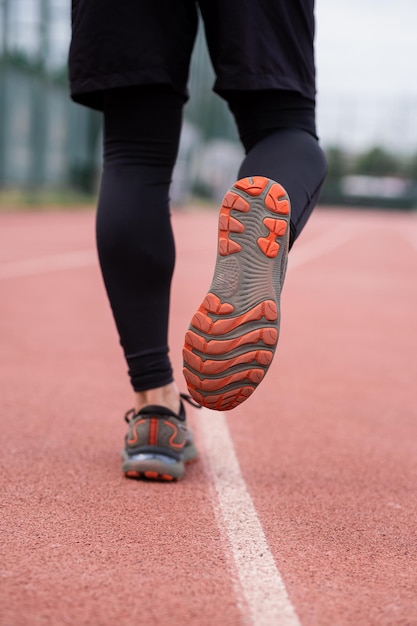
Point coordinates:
[(232, 337)]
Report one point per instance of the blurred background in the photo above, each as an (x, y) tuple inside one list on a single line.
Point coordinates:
[(367, 110)]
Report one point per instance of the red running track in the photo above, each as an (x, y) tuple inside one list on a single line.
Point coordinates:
[(325, 500)]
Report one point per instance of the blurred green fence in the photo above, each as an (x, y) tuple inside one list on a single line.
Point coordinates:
[(44, 138)]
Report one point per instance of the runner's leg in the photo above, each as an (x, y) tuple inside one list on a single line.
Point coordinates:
[(134, 236)]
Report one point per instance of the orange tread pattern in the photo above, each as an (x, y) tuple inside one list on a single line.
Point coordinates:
[(202, 321), (263, 357), (269, 246), (268, 336), (254, 188), (251, 375), (237, 370), (225, 401), (276, 200), (229, 224), (226, 351), (213, 304)]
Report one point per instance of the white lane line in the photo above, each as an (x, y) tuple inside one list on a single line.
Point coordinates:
[(259, 582), (410, 236), (53, 263), (323, 244)]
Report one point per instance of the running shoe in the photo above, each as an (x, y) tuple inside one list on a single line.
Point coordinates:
[(233, 335), (158, 443)]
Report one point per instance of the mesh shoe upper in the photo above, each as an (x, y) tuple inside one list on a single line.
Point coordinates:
[(157, 429), (158, 443)]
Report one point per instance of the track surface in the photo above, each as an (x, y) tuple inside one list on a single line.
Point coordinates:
[(325, 451)]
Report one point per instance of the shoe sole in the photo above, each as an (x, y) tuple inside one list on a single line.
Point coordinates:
[(157, 468), (233, 335)]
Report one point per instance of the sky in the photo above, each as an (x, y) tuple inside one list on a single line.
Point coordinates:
[(368, 46), (366, 58)]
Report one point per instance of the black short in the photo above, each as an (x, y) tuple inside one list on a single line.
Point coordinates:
[(253, 45)]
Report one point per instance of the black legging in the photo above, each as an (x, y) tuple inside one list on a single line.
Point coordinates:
[(134, 235)]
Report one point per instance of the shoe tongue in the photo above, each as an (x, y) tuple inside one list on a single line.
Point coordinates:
[(162, 411)]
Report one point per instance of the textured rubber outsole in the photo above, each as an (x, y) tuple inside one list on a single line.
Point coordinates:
[(150, 475), (157, 469), (233, 335)]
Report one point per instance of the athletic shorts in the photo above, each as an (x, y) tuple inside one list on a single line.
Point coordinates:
[(253, 45)]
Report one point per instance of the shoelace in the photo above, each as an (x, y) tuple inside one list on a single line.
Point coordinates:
[(131, 414), (189, 399)]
